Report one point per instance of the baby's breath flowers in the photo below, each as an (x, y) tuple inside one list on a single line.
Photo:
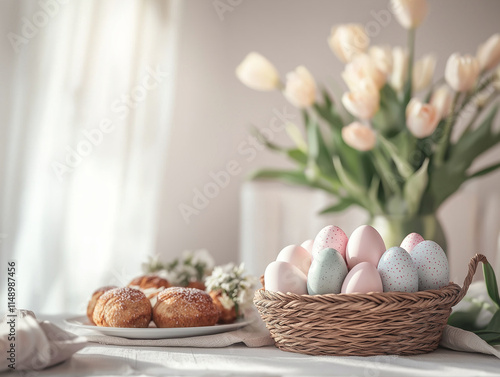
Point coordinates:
[(192, 266), (235, 286)]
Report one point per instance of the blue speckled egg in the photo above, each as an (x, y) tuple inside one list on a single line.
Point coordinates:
[(327, 273)]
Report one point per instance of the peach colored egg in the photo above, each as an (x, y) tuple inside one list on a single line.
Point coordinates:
[(296, 255), (411, 240), (328, 271), (285, 277), (308, 245), (364, 245), (432, 265), (330, 236), (398, 271), (363, 278)]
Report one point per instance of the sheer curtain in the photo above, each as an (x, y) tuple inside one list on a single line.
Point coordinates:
[(85, 131)]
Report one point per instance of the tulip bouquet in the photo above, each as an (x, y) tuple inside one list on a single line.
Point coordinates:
[(396, 142)]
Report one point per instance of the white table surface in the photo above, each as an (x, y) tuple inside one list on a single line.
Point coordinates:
[(239, 360)]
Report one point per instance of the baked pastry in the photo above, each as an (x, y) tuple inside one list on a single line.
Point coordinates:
[(149, 281), (184, 307), (122, 307), (94, 298), (150, 285), (227, 315), (196, 284)]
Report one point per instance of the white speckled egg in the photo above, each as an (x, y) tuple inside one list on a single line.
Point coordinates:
[(330, 236), (327, 273), (308, 245), (285, 277), (398, 271), (432, 265), (296, 255), (411, 240), (363, 278), (364, 245)]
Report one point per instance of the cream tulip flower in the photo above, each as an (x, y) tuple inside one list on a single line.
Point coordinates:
[(348, 40), (423, 71), (399, 68), (409, 13), (421, 118), (382, 57), (364, 102), (441, 99), (359, 136), (488, 53), (256, 72), (461, 72), (300, 88), (362, 68)]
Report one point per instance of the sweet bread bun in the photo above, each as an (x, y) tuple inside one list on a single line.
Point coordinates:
[(150, 285), (122, 307), (184, 307), (196, 284), (226, 315), (94, 298), (149, 281)]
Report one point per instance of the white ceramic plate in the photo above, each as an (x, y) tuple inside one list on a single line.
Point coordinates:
[(82, 322)]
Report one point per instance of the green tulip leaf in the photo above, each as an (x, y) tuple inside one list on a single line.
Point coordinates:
[(484, 171), (465, 319), (318, 150), (341, 205), (415, 187), (491, 285), (404, 168)]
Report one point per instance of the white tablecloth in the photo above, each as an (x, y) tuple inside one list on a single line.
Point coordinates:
[(239, 360)]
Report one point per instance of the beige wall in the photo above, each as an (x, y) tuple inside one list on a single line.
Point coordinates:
[(213, 110)]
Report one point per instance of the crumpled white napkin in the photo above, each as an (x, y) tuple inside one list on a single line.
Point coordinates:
[(37, 344), (460, 340)]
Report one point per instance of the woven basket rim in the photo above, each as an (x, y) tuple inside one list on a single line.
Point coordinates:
[(450, 289)]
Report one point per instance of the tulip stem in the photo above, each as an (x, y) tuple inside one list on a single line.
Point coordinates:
[(409, 76), (443, 143)]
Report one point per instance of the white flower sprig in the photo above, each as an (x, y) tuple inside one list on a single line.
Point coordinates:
[(191, 266), (235, 285)]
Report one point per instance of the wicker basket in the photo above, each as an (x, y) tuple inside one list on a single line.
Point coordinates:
[(391, 323)]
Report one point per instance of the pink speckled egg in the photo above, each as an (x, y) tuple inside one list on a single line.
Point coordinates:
[(398, 271), (285, 277), (363, 278), (411, 240), (432, 265), (332, 237), (308, 245), (365, 245), (296, 255)]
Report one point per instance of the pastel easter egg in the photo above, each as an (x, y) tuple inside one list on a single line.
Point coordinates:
[(296, 255), (398, 271), (285, 277), (327, 273), (432, 265), (363, 278), (308, 245), (364, 245), (330, 236), (411, 240)]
